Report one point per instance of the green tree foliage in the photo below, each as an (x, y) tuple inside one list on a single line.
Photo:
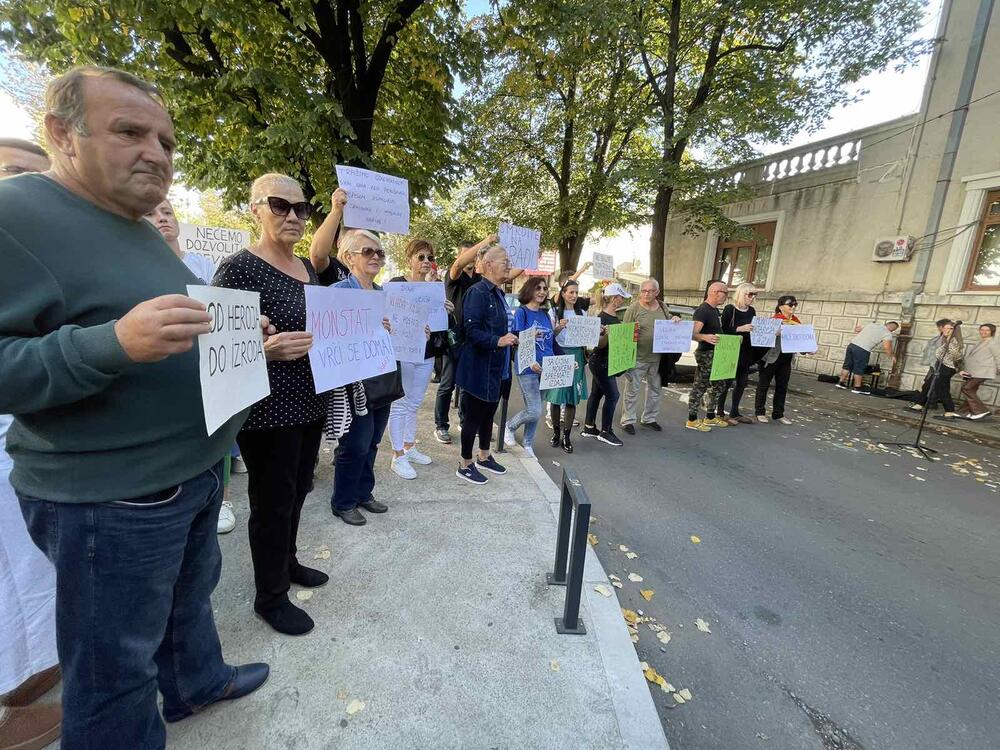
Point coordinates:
[(726, 74), (557, 134), (275, 85)]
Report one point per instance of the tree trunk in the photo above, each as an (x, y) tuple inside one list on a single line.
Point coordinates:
[(569, 252), (658, 235)]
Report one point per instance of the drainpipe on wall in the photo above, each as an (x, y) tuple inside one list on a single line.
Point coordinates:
[(947, 167)]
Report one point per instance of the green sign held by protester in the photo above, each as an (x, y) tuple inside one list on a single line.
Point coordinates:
[(621, 347), (727, 354)]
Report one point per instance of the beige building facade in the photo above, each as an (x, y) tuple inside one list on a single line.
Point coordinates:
[(829, 218)]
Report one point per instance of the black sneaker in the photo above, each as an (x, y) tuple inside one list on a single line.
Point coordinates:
[(861, 391), (490, 464), (629, 428), (607, 436), (589, 432), (655, 426), (842, 385), (471, 474), (442, 436)]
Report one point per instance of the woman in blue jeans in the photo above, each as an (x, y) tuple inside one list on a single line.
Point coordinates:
[(530, 315), (604, 386)]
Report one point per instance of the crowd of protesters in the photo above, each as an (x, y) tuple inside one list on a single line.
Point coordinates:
[(116, 494)]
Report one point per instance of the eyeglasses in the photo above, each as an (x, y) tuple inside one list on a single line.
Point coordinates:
[(281, 207), (751, 294), (369, 252), (421, 258), (792, 304)]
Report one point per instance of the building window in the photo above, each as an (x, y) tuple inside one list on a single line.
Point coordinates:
[(984, 270), (739, 260)]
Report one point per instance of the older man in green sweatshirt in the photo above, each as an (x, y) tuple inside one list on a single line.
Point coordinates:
[(118, 482)]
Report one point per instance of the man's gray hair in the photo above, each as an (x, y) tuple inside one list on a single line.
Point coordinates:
[(654, 282), (64, 98)]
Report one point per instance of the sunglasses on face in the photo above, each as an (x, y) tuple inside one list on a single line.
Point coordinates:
[(369, 252), (281, 207), (421, 257), (751, 294), (791, 304)]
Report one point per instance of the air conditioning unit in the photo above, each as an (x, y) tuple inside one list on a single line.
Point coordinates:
[(892, 249)]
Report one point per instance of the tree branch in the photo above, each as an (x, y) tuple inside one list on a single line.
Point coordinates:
[(744, 47), (398, 18)]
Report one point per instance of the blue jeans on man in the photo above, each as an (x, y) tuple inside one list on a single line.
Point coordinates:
[(354, 459), (134, 580)]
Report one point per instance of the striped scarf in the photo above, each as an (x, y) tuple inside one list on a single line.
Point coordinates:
[(340, 415)]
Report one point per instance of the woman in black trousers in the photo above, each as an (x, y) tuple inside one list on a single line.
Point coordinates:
[(281, 437), (737, 319), (777, 367)]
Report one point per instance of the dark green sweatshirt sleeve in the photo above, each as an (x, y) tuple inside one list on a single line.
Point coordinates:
[(44, 365)]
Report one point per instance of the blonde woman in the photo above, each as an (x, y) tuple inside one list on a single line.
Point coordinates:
[(737, 318)]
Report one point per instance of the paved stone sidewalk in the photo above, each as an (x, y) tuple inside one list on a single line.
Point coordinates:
[(438, 619)]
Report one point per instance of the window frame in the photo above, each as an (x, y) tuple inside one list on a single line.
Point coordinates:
[(722, 244), (985, 221)]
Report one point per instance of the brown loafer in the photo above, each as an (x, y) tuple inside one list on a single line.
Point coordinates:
[(30, 727), (33, 688)]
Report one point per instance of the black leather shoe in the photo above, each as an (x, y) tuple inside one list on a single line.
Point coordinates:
[(287, 619), (629, 428), (374, 506), (246, 679), (351, 517), (567, 446), (554, 441), (308, 577)]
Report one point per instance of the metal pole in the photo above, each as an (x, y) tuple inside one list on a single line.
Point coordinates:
[(558, 575), (570, 622)]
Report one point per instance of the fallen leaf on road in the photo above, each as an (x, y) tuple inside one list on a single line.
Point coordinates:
[(354, 706), (646, 594), (613, 577), (556, 463), (602, 589), (666, 687), (702, 625), (685, 694), (678, 698), (303, 596), (630, 617), (617, 584), (664, 637), (695, 539), (554, 665), (323, 553), (631, 555), (341, 695), (622, 548), (653, 676), (634, 577), (592, 538)]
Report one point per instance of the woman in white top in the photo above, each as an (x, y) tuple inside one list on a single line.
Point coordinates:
[(981, 364)]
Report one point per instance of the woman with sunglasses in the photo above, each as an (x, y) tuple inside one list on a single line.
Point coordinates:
[(567, 304), (281, 437), (360, 428), (533, 296), (737, 318), (416, 375), (776, 366)]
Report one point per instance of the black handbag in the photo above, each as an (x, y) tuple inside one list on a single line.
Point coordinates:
[(382, 390)]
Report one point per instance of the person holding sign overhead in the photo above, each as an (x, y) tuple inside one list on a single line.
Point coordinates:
[(483, 363), (737, 318), (644, 312), (567, 304), (605, 385), (329, 268), (357, 447), (416, 375), (777, 366), (529, 316), (707, 327), (281, 437)]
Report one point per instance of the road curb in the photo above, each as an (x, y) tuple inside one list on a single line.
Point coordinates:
[(638, 722)]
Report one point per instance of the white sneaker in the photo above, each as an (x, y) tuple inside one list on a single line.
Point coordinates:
[(227, 519), (238, 466), (529, 451), (416, 457), (508, 436), (402, 467)]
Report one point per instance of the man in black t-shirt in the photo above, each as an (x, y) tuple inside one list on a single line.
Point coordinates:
[(707, 327)]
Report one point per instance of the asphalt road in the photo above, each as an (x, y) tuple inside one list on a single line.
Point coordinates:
[(852, 593)]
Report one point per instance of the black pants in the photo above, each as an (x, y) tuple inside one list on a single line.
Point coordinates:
[(446, 386), (780, 371), (739, 384), (280, 465), (477, 420), (942, 389), (603, 386)]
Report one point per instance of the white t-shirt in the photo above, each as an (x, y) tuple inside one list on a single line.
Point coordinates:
[(871, 336), (200, 266)]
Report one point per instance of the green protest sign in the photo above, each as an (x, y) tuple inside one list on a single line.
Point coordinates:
[(621, 347), (727, 354)]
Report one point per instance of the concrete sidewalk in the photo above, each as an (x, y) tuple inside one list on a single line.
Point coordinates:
[(438, 619)]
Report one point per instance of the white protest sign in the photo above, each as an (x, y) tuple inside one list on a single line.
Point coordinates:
[(764, 330), (797, 338), (428, 293), (349, 342), (604, 266), (521, 245), (557, 372), (581, 330), (215, 243), (526, 349), (231, 362), (438, 321), (408, 310), (672, 337), (375, 200)]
